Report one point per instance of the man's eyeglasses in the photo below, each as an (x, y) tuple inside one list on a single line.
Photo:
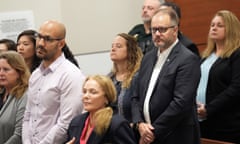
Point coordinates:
[(161, 29), (46, 38)]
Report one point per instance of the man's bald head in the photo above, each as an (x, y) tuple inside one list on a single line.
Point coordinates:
[(55, 28)]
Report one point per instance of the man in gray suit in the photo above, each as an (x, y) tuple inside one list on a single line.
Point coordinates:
[(164, 107)]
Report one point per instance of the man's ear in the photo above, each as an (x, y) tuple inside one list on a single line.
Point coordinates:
[(61, 43), (176, 29)]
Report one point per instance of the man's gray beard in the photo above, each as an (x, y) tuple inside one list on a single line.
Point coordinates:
[(164, 47), (146, 20)]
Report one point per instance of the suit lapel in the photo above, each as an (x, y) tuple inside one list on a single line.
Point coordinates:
[(171, 57), (95, 139), (6, 105), (151, 62), (79, 125)]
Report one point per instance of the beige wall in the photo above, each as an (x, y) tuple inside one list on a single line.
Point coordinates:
[(91, 24), (43, 10)]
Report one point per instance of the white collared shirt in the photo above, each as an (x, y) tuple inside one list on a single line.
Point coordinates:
[(162, 57), (54, 99)]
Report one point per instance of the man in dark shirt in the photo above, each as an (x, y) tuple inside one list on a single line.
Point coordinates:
[(182, 38), (142, 31)]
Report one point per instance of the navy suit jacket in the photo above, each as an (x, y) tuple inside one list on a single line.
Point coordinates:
[(172, 105), (119, 131)]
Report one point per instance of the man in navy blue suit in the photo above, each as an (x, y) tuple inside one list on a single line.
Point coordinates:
[(164, 107)]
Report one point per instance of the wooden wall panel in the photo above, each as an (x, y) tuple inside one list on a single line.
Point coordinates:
[(197, 15)]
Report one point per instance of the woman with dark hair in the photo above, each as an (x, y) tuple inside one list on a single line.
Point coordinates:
[(7, 44), (69, 55), (26, 46)]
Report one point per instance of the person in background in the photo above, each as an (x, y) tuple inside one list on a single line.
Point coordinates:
[(69, 55), (98, 125), (218, 94), (26, 46), (182, 38), (143, 31), (164, 109), (7, 44), (14, 75), (53, 94), (126, 57)]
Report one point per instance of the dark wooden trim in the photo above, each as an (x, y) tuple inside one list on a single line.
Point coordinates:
[(211, 141)]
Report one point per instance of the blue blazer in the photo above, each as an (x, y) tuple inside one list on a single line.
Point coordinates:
[(119, 131), (172, 104)]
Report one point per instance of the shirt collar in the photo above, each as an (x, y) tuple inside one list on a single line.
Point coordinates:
[(52, 67), (168, 50)]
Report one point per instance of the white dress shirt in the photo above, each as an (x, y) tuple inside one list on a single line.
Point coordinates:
[(54, 98), (162, 57)]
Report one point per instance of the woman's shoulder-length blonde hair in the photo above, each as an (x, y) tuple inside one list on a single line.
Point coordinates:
[(17, 62), (102, 117), (232, 35)]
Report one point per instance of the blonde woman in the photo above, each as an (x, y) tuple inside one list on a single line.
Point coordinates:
[(218, 94), (99, 125)]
